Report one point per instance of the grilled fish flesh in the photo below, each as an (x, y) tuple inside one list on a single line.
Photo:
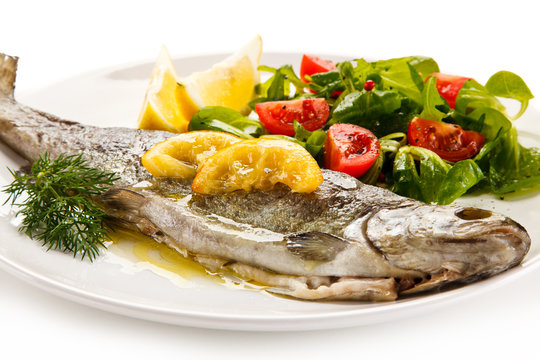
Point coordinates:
[(346, 240)]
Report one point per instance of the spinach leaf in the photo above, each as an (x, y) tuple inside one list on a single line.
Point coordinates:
[(282, 137), (313, 141), (502, 84), (509, 85), (421, 174), (420, 181), (433, 102), (473, 95), (365, 108), (459, 179), (219, 118), (512, 167), (491, 121), (424, 65), (390, 145), (406, 177), (399, 75), (326, 84)]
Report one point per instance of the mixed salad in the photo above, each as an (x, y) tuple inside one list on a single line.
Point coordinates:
[(398, 123)]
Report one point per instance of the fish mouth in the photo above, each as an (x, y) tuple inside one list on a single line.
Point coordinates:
[(513, 244)]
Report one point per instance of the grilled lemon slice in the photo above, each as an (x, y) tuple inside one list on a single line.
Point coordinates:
[(181, 155), (258, 164)]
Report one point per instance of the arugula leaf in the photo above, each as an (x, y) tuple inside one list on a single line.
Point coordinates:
[(346, 73), (278, 87)]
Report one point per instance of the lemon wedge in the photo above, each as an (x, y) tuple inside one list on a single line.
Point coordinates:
[(181, 155), (171, 102), (166, 106), (231, 82), (258, 164)]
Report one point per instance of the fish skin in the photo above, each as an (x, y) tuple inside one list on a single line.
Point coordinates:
[(346, 240)]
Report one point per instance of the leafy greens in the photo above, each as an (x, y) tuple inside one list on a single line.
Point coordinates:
[(404, 89)]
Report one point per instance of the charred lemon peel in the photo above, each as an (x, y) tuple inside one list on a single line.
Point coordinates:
[(180, 156), (258, 164)]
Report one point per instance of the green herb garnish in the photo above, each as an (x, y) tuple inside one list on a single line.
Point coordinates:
[(58, 209)]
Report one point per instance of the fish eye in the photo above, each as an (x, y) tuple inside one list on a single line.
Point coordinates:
[(473, 214)]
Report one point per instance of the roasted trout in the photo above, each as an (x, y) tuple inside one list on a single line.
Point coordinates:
[(346, 240)]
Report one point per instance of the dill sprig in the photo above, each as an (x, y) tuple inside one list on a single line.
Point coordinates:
[(58, 209)]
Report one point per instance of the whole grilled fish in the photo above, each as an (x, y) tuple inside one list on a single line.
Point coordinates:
[(346, 240)]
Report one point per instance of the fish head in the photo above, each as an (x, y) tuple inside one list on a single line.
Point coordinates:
[(470, 243)]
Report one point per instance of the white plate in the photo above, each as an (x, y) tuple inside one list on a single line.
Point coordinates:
[(112, 97)]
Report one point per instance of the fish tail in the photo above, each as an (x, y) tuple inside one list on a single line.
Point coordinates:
[(8, 73)]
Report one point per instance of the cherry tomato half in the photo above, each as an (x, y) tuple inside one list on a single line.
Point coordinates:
[(350, 149), (449, 141), (278, 116), (313, 65), (449, 86)]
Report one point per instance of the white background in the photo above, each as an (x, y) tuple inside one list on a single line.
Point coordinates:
[(56, 40)]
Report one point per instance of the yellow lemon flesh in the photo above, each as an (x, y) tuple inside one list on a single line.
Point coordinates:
[(231, 82), (171, 102), (181, 155), (258, 164), (166, 104)]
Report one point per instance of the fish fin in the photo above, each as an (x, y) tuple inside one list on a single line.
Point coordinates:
[(8, 73), (121, 198), (315, 245)]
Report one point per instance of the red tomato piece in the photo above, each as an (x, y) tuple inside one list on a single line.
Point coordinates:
[(449, 86), (350, 149), (449, 141), (278, 116), (313, 65)]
